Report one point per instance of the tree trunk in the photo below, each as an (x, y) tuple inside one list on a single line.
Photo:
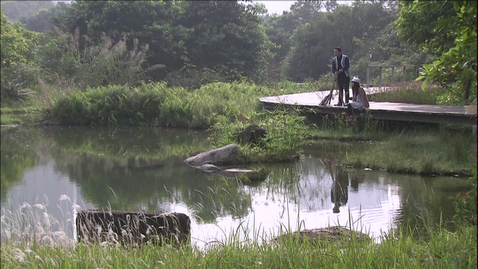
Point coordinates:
[(466, 94)]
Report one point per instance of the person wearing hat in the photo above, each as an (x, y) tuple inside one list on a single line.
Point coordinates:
[(341, 73), (359, 98)]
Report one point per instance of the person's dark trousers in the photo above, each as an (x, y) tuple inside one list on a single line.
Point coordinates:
[(343, 83)]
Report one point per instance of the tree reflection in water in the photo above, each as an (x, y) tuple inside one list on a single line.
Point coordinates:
[(141, 169)]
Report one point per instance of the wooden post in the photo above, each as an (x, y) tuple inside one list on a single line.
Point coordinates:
[(380, 77), (368, 76), (393, 74), (404, 73)]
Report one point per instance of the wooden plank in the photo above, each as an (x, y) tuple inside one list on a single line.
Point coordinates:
[(378, 110)]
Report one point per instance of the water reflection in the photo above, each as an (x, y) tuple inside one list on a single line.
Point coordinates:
[(143, 169), (339, 194)]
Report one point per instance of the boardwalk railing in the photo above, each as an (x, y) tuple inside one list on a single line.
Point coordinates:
[(404, 69)]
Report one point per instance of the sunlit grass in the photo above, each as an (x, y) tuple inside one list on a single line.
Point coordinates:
[(6, 119), (15, 115), (158, 105), (283, 141), (32, 243), (417, 153), (409, 92)]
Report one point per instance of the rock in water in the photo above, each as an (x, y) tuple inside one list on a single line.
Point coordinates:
[(228, 154)]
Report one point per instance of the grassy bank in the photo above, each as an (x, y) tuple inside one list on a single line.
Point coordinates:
[(159, 105), (424, 153), (31, 238), (228, 108), (428, 152), (439, 249), (20, 115), (410, 92)]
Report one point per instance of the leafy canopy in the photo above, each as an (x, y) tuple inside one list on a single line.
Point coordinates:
[(446, 29)]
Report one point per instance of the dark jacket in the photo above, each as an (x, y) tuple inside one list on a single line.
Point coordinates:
[(345, 65)]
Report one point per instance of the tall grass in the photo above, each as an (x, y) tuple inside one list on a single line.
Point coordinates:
[(32, 225), (157, 105), (409, 92), (245, 248), (420, 152), (283, 142)]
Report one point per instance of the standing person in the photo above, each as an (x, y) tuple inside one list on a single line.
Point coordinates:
[(340, 71), (359, 99)]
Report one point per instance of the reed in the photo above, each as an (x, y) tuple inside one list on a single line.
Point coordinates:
[(410, 92), (157, 105), (246, 246), (448, 153)]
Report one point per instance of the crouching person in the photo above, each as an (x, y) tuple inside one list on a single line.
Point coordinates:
[(359, 99)]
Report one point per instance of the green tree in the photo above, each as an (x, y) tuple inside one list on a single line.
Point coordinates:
[(386, 48), (42, 21), (236, 39), (309, 56), (16, 43), (279, 29), (151, 22), (446, 29), (206, 34), (345, 26), (15, 10), (17, 59)]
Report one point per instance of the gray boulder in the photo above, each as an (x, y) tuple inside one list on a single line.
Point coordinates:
[(228, 154)]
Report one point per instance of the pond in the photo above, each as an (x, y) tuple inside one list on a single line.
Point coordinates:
[(66, 168)]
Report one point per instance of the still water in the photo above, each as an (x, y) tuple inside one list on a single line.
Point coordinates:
[(64, 168)]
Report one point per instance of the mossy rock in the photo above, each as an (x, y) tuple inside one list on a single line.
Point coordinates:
[(252, 135), (335, 234)]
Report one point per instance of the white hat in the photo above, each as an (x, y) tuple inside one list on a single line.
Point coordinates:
[(356, 79)]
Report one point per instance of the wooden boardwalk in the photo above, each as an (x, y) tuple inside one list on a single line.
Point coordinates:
[(378, 110)]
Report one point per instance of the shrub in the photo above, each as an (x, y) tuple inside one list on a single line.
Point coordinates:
[(85, 63), (465, 202), (283, 142)]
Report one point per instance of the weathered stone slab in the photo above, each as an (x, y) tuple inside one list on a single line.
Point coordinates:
[(132, 227)]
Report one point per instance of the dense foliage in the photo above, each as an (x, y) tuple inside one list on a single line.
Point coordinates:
[(446, 30), (17, 60), (186, 44), (242, 42), (17, 10)]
